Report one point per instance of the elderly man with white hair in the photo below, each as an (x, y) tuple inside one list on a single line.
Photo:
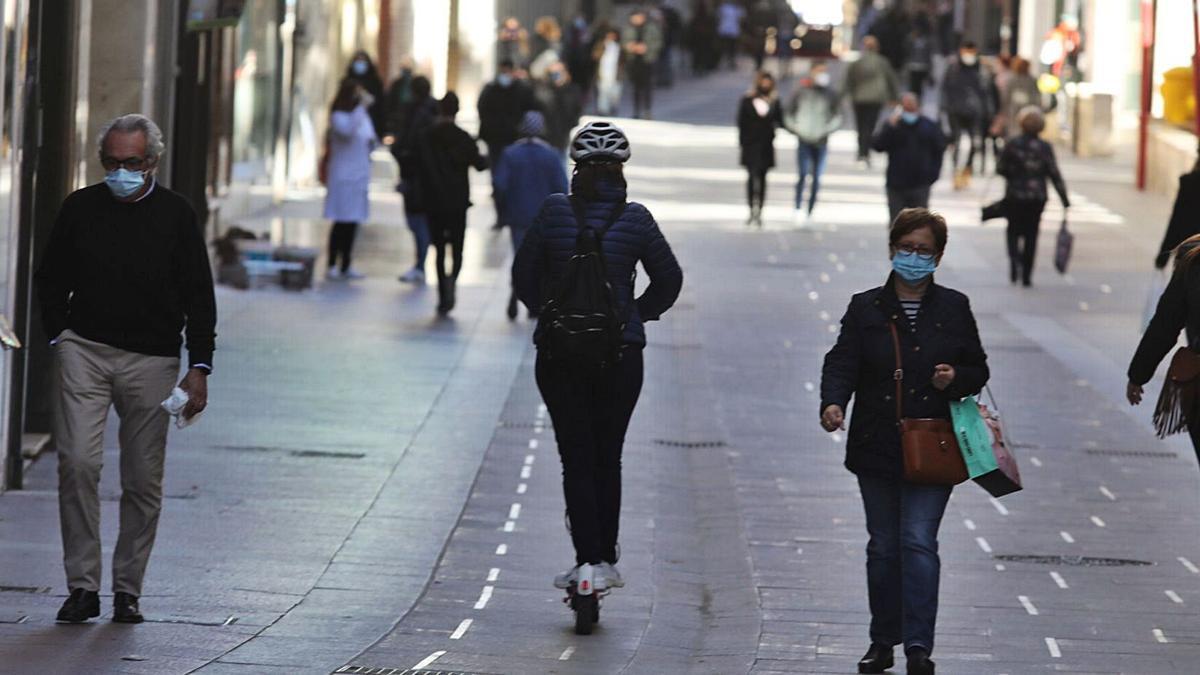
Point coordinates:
[(124, 279)]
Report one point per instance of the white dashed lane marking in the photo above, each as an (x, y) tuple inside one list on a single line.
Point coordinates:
[(1052, 646), (533, 444), (1024, 600), (999, 507), (428, 660), (484, 597), (1160, 636), (1098, 522), (1058, 579), (1108, 493), (522, 488), (461, 630), (1188, 564), (526, 472), (509, 526), (493, 574), (514, 512), (983, 544), (566, 654), (969, 524), (1174, 597), (1035, 461), (529, 459), (1067, 537), (502, 549)]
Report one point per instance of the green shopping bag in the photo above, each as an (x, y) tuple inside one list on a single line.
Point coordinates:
[(974, 437)]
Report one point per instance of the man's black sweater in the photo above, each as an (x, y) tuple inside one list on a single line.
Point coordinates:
[(129, 274)]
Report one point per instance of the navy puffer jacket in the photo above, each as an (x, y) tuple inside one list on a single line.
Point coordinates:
[(633, 238)]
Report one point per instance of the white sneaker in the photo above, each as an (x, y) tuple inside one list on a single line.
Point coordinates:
[(333, 274), (585, 578), (413, 276), (353, 274), (566, 579), (608, 576)]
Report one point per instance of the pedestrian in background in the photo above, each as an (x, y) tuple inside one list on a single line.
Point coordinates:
[(966, 101), (812, 114), (590, 407), (362, 70), (561, 104), (643, 42), (352, 137), (915, 146), (918, 64), (577, 54), (512, 43), (1026, 163), (610, 65), (126, 271), (943, 361), (418, 116), (447, 153), (702, 41), (1185, 215), (870, 83), (528, 172), (502, 104), (758, 117), (548, 47), (1017, 92), (730, 15)]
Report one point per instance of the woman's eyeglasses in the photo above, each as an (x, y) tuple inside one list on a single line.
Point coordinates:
[(921, 251)]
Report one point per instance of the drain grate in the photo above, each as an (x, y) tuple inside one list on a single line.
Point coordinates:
[(372, 670), (508, 424), (1106, 452), (24, 589), (1074, 560), (691, 445)]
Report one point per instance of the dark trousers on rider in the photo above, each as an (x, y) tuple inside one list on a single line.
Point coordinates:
[(590, 413)]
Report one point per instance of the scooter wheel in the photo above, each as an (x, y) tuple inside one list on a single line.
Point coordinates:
[(587, 610)]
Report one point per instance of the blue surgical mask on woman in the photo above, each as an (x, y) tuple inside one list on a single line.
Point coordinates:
[(360, 67), (124, 183), (913, 267)]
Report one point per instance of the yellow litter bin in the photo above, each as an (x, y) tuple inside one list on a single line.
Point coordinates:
[(1179, 99)]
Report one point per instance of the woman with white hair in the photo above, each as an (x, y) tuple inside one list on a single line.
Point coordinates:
[(1026, 163)]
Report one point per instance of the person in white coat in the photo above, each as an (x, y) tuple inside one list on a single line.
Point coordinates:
[(347, 173)]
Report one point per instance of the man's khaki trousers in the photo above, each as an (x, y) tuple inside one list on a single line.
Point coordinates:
[(92, 377)]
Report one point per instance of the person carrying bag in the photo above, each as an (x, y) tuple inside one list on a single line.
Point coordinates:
[(906, 350)]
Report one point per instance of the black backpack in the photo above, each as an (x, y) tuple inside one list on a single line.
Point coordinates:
[(580, 326)]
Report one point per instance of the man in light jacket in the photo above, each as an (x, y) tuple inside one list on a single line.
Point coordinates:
[(870, 84), (812, 115)]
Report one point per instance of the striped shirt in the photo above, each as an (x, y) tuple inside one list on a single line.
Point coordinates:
[(911, 309)]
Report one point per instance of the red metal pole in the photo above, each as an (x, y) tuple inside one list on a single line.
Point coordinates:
[(1196, 63), (1148, 15)]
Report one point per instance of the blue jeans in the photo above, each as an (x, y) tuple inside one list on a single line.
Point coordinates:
[(419, 224), (903, 567), (809, 155)]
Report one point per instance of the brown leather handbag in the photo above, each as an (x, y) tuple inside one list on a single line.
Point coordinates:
[(931, 454), (1179, 397)]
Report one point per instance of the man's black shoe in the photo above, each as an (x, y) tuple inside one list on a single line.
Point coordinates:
[(918, 662), (80, 606), (125, 609), (877, 659)]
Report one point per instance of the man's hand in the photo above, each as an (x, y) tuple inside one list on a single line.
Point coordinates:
[(943, 375), (833, 418), (1134, 392), (195, 383)]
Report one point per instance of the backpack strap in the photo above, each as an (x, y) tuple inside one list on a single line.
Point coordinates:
[(577, 206)]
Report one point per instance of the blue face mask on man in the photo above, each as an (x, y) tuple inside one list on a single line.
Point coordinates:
[(909, 117), (124, 183), (913, 267)]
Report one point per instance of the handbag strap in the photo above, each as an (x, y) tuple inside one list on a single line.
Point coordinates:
[(898, 375)]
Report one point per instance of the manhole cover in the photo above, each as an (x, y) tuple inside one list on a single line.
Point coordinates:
[(1105, 452), (689, 444), (1073, 560), (375, 670)]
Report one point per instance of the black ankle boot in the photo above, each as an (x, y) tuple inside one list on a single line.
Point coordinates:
[(877, 659), (918, 662)]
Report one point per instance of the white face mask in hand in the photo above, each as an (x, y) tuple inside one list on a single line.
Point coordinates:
[(822, 79), (174, 406)]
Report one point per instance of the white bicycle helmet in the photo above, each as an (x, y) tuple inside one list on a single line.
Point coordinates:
[(600, 141)]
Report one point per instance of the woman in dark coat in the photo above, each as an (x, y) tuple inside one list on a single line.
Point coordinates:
[(591, 408), (1178, 309), (943, 360), (1026, 163), (1185, 216), (758, 117)]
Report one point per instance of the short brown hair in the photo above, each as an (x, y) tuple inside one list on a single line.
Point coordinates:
[(1031, 120), (911, 220)]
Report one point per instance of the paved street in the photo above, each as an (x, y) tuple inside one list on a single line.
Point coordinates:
[(372, 488)]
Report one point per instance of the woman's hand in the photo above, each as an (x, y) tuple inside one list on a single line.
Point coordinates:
[(833, 418), (943, 376), (1133, 392)]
